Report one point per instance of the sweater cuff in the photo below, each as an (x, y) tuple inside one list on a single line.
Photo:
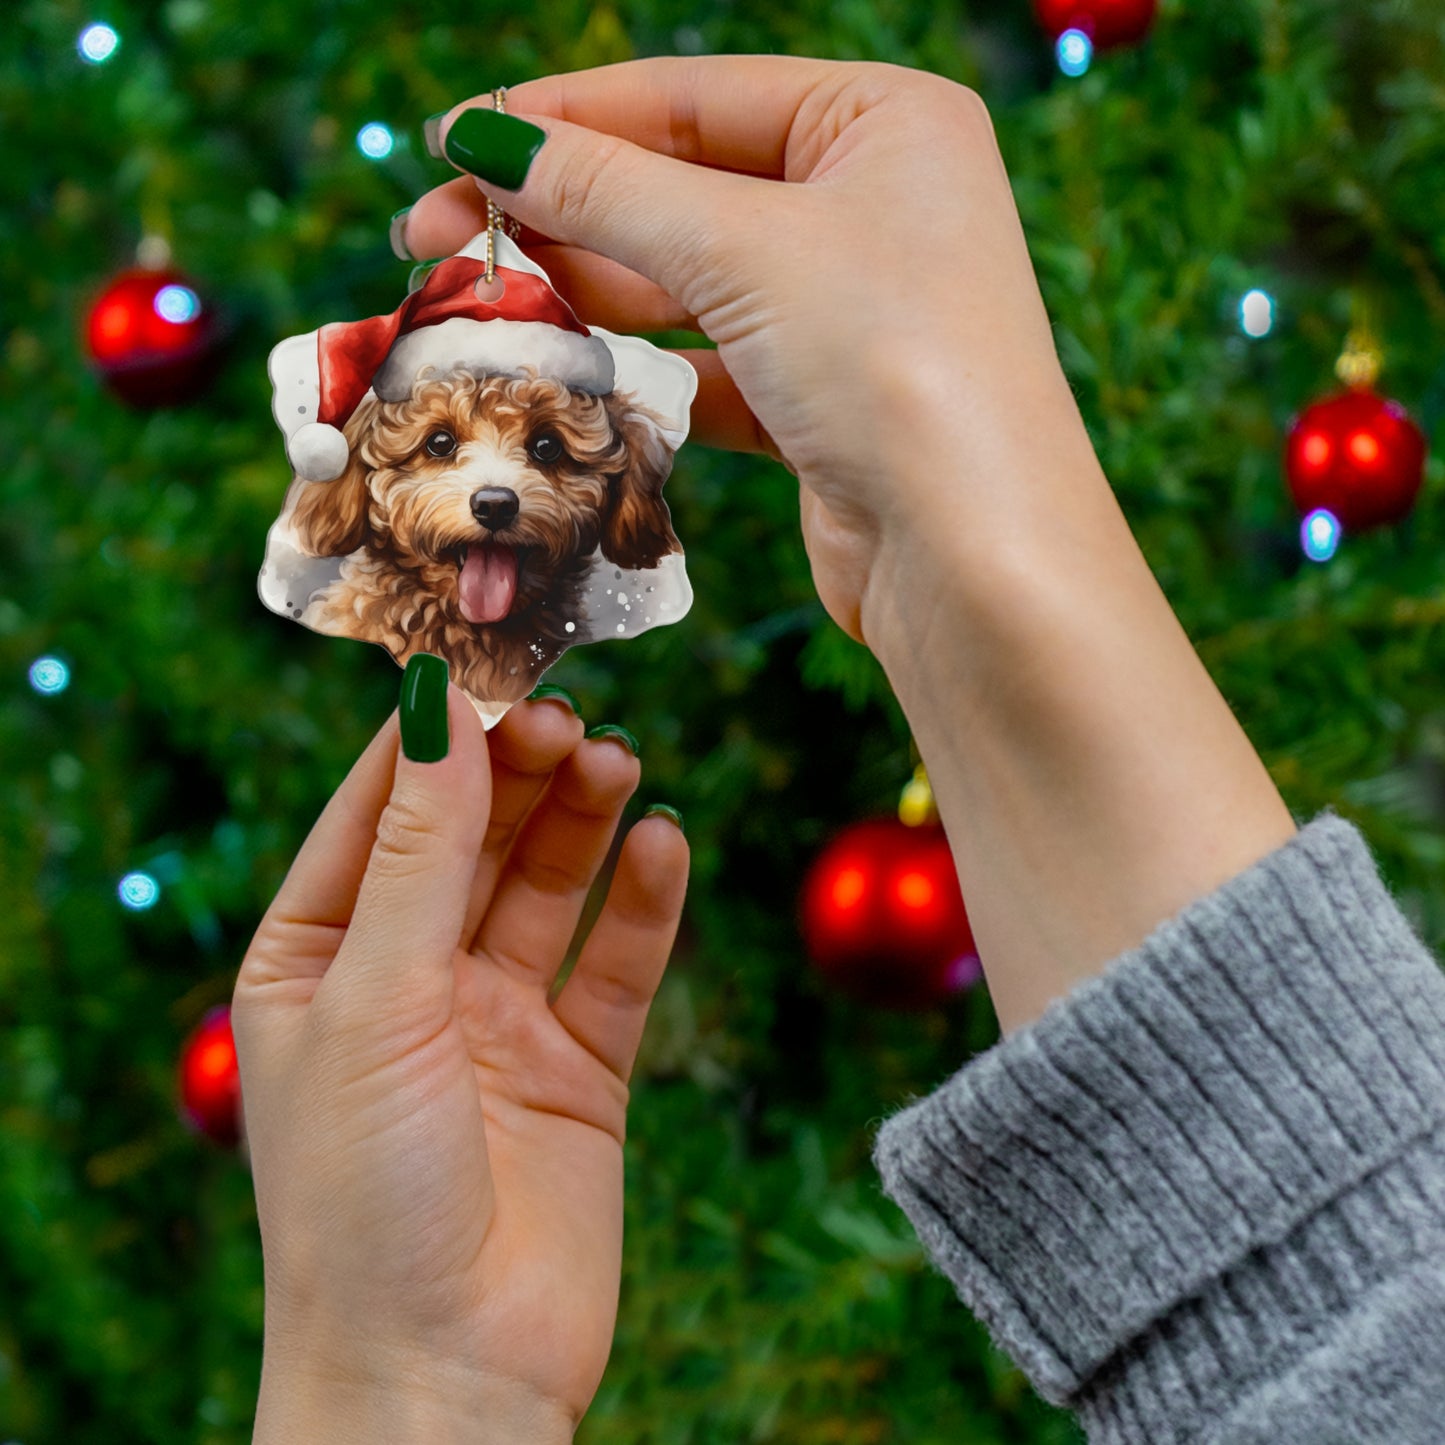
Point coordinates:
[(1255, 1059)]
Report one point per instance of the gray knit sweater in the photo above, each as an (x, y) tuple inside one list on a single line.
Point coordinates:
[(1202, 1199)]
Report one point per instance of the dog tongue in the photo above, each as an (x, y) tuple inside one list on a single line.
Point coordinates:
[(488, 583)]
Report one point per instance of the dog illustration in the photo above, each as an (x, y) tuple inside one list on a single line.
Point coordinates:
[(470, 514)]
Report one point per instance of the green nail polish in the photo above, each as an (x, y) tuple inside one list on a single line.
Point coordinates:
[(665, 811), (396, 232), (431, 133), (550, 689), (612, 730), (424, 734), (498, 148), (419, 273)]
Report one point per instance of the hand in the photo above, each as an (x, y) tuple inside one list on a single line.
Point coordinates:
[(437, 1150), (847, 235), (878, 324)]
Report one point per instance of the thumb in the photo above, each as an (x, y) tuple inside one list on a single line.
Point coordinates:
[(663, 218), (407, 922)]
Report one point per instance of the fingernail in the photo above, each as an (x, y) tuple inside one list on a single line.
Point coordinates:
[(498, 148), (431, 133), (611, 730), (662, 810), (419, 273), (424, 734), (549, 689), (397, 234)]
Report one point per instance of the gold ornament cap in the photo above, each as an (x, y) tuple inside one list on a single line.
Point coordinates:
[(1360, 362), (915, 804)]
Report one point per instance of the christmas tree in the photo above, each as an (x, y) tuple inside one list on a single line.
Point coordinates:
[(1213, 210)]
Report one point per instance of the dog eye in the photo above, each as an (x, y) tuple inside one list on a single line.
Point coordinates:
[(441, 444), (545, 448)]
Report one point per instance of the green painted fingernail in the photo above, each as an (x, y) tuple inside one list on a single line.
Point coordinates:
[(424, 734), (550, 689), (396, 233), (431, 133), (419, 273), (498, 148), (664, 811), (612, 730)]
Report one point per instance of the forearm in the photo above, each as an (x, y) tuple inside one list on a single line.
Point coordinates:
[(1092, 779)]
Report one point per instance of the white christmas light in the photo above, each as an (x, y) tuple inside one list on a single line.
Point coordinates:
[(177, 304), (1320, 535), (49, 675), (138, 891), (375, 140), (97, 44), (1075, 52), (1256, 313)]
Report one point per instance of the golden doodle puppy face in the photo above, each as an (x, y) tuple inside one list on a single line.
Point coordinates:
[(497, 485)]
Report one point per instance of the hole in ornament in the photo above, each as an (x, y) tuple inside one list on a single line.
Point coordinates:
[(490, 291)]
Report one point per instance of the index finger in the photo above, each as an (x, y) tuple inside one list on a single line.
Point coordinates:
[(734, 112)]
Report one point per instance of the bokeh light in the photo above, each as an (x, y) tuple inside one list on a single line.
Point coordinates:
[(49, 675), (1075, 52), (138, 891), (97, 43), (177, 304), (1320, 535), (375, 140), (1256, 313)]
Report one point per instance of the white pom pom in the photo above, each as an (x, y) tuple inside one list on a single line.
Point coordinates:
[(318, 453)]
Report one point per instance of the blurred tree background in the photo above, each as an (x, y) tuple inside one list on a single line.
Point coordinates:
[(770, 1292)]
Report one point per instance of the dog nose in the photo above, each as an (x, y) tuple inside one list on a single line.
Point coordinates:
[(494, 507)]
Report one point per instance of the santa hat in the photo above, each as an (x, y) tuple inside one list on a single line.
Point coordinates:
[(319, 379)]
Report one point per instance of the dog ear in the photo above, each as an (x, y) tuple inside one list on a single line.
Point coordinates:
[(330, 518), (638, 531)]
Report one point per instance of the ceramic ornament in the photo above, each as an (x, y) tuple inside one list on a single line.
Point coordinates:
[(478, 475)]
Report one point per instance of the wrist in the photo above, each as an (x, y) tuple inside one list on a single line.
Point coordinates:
[(405, 1400), (1092, 779), (979, 529)]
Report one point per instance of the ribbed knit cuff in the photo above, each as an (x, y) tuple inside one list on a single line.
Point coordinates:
[(1215, 1106)]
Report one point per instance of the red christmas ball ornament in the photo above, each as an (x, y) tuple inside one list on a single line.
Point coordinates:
[(1359, 456), (152, 338), (210, 1081), (1107, 23), (883, 918)]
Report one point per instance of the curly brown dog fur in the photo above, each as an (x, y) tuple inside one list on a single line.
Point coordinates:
[(586, 471)]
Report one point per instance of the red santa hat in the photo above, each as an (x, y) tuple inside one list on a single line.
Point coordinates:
[(319, 379)]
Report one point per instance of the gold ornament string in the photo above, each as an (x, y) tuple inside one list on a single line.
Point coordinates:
[(497, 218)]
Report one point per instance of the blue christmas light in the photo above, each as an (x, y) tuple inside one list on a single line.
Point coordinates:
[(1320, 535), (97, 43), (138, 891), (177, 304), (375, 140), (49, 675), (1256, 313), (1075, 52)]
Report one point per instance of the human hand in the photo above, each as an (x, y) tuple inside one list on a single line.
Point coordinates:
[(437, 1150), (877, 319)]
